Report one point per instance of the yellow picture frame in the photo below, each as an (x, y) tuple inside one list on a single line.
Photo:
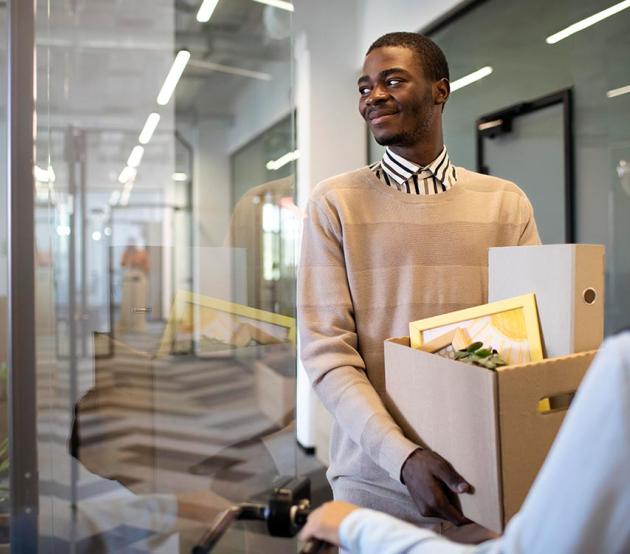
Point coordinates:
[(512, 322), (185, 303)]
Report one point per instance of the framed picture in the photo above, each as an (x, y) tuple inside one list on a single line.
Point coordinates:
[(510, 326), (219, 326)]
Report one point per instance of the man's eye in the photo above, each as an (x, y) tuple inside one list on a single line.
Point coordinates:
[(393, 82), (364, 90)]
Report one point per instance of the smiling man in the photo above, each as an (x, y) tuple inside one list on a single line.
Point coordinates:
[(403, 239)]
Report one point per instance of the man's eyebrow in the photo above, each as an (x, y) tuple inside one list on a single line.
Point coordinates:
[(383, 74), (391, 70)]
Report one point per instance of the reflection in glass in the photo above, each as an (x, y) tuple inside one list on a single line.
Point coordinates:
[(530, 68), (166, 271)]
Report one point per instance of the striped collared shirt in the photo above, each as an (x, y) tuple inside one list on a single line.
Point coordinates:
[(395, 171)]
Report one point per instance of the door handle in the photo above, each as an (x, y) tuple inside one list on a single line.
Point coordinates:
[(142, 309)]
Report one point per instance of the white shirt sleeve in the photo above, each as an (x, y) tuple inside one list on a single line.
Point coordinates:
[(369, 532)]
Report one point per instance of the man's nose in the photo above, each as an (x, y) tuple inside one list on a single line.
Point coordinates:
[(377, 94)]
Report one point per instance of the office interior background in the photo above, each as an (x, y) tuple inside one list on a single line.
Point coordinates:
[(148, 346)]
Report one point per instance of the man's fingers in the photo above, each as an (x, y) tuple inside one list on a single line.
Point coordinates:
[(451, 478), (450, 512)]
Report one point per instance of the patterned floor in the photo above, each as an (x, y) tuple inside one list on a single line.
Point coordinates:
[(163, 445)]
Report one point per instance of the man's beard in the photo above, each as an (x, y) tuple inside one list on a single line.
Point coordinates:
[(411, 136)]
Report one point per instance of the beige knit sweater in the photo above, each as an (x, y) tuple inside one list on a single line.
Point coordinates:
[(374, 259)]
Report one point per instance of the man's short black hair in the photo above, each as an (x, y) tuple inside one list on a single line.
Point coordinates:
[(429, 54)]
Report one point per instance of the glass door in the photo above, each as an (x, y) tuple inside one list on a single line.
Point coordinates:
[(165, 387), (531, 143)]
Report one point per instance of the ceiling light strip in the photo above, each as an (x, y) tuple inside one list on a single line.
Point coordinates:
[(618, 91), (471, 78), (274, 165), (277, 4), (229, 69), (588, 22), (179, 64), (490, 124), (127, 174), (206, 10), (136, 156), (149, 128)]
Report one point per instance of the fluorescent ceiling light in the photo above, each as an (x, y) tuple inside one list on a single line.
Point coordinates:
[(63, 230), (277, 4), (114, 197), (179, 64), (127, 174), (584, 23), (618, 91), (471, 78), (124, 197), (136, 156), (44, 175), (490, 124), (41, 175), (149, 128), (206, 10), (274, 165), (180, 177), (231, 70)]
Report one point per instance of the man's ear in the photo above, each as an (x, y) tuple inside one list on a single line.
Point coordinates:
[(441, 91)]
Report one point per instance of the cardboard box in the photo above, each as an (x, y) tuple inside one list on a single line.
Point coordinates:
[(568, 280), (485, 423)]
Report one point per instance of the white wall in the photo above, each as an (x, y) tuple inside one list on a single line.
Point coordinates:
[(331, 134), (261, 104), (211, 182), (211, 204)]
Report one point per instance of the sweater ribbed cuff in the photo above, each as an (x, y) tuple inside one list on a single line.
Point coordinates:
[(395, 450)]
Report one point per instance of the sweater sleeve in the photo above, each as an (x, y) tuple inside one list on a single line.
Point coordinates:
[(529, 233), (329, 345)]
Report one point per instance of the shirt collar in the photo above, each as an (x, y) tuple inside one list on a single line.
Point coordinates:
[(400, 169)]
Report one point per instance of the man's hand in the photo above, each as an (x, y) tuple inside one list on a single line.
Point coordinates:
[(432, 483), (324, 523)]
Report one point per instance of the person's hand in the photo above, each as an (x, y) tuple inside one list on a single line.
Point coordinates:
[(324, 523), (432, 483)]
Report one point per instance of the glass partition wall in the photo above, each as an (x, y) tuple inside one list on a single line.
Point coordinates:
[(572, 158), (165, 367), (575, 156)]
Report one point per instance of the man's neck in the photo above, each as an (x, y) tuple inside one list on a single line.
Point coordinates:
[(421, 154)]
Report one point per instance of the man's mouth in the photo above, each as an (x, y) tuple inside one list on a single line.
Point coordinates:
[(379, 116)]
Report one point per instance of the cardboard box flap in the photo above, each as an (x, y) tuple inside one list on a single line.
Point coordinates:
[(526, 434), (456, 417)]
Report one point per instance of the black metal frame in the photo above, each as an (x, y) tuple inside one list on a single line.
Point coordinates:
[(449, 17), (504, 118), (21, 300)]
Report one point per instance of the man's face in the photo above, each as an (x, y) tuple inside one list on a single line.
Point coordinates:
[(396, 99)]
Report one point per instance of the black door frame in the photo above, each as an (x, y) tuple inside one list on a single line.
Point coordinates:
[(500, 122)]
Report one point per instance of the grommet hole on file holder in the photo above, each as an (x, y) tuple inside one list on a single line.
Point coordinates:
[(556, 403), (589, 295)]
